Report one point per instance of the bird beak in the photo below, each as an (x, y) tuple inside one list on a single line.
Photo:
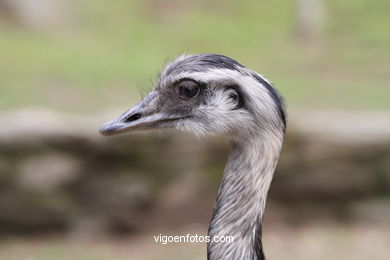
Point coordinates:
[(143, 116)]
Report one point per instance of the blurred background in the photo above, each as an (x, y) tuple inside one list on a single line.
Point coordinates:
[(67, 66)]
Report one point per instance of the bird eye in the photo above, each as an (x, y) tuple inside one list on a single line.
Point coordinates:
[(188, 89)]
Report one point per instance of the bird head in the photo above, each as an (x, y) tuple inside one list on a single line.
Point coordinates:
[(206, 94)]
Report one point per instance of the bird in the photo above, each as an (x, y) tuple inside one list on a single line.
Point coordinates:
[(212, 94)]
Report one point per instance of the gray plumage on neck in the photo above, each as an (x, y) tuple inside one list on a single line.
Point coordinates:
[(242, 197), (214, 94)]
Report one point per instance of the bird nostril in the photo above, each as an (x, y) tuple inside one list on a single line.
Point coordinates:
[(132, 117)]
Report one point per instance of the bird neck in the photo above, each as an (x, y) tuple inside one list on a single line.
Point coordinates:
[(242, 196)]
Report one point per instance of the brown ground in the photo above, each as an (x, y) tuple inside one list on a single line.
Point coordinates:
[(314, 242)]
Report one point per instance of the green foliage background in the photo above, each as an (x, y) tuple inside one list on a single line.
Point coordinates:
[(110, 51)]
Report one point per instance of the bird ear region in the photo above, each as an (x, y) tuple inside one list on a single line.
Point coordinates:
[(234, 97)]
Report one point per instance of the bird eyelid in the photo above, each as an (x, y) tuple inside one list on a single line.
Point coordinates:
[(177, 82)]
